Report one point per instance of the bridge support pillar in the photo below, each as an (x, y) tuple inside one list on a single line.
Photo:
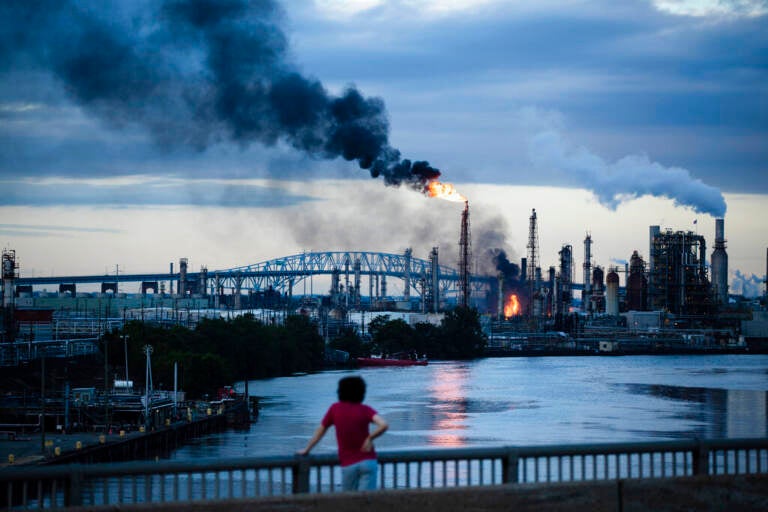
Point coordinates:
[(238, 288)]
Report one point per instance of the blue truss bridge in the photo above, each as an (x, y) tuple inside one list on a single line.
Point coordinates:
[(419, 277)]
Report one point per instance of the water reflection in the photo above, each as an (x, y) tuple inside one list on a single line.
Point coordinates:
[(517, 401), (719, 413), (449, 403)]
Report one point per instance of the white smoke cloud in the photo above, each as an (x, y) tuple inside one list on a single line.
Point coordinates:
[(628, 178), (748, 286), (704, 8)]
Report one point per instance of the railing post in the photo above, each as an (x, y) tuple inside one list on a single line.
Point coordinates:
[(75, 493), (510, 463), (301, 475), (700, 459)]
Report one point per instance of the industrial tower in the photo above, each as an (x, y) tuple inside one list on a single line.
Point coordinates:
[(587, 292), (719, 263), (465, 251), (533, 261)]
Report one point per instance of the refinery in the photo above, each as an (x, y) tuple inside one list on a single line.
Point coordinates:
[(672, 300), (671, 296)]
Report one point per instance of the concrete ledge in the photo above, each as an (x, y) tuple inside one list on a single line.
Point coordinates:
[(743, 493)]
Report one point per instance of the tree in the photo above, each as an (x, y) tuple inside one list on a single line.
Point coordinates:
[(461, 335), (391, 336), (349, 341)]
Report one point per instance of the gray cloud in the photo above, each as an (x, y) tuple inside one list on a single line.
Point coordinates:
[(155, 193), (688, 92)]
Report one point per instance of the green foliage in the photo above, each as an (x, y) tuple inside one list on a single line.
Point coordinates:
[(390, 336), (349, 341), (459, 336), (218, 352)]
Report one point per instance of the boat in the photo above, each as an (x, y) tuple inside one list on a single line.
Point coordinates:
[(385, 361)]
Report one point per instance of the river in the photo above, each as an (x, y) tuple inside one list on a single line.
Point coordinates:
[(517, 401)]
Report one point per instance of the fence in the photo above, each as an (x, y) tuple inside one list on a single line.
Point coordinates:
[(25, 488)]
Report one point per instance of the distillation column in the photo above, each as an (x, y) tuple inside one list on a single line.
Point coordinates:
[(183, 277), (587, 293), (720, 264), (533, 262), (9, 275), (464, 257)]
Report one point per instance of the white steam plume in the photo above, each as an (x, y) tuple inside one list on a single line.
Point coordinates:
[(628, 178), (748, 286)]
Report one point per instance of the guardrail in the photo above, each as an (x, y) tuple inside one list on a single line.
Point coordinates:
[(23, 488)]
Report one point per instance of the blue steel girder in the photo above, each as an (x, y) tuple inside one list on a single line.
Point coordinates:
[(279, 273)]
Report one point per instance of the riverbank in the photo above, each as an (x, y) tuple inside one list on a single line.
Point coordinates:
[(83, 447), (614, 351)]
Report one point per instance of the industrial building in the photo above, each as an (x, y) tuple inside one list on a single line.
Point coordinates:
[(678, 275)]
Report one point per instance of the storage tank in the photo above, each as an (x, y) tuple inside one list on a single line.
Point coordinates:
[(612, 293)]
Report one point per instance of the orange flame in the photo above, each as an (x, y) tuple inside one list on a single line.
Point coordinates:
[(512, 307), (443, 191)]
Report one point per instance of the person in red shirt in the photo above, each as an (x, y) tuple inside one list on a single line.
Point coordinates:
[(352, 419)]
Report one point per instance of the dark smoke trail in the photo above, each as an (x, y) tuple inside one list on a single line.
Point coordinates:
[(198, 72), (510, 271)]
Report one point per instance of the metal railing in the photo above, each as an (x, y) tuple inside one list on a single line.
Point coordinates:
[(12, 354), (23, 488)]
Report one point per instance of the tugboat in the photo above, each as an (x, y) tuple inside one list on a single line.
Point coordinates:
[(235, 406)]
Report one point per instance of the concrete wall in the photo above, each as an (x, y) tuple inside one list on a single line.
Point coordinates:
[(743, 493)]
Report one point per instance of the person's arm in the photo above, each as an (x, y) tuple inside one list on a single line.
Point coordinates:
[(316, 437), (381, 427)]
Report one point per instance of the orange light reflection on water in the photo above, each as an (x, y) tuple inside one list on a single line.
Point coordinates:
[(450, 414)]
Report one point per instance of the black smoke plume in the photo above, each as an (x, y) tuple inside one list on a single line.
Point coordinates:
[(199, 72), (508, 270)]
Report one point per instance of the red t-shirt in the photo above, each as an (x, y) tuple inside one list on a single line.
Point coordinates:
[(351, 421)]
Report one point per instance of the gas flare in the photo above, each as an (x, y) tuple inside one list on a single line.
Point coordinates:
[(445, 191), (512, 307)]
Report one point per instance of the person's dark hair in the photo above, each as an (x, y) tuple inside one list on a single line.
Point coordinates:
[(351, 389)]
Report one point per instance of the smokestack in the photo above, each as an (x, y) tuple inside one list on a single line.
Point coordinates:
[(500, 304), (435, 282), (719, 262), (183, 276)]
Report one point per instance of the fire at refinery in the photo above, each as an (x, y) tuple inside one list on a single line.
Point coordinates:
[(445, 191), (512, 306)]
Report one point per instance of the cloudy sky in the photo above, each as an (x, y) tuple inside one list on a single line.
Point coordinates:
[(231, 132)]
